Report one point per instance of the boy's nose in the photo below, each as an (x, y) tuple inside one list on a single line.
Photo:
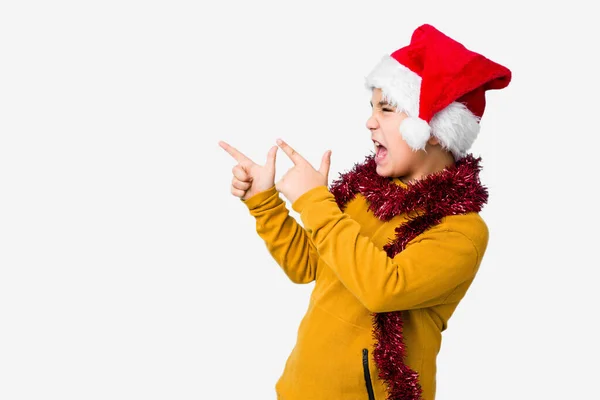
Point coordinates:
[(372, 123)]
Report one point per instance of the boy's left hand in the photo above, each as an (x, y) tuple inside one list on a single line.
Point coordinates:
[(302, 177)]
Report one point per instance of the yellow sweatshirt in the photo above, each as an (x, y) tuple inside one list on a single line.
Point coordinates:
[(343, 252)]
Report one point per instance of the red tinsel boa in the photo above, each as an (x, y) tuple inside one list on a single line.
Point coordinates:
[(454, 190)]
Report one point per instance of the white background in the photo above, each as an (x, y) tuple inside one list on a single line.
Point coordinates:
[(129, 271)]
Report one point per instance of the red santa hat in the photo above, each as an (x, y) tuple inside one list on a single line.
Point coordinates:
[(441, 86)]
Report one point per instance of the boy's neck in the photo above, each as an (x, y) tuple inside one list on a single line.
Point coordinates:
[(435, 160)]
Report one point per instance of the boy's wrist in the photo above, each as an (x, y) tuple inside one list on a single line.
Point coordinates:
[(259, 198), (307, 197)]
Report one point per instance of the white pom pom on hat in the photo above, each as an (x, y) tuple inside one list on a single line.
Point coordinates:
[(415, 132)]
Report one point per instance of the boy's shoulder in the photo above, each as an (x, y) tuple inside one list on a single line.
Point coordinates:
[(471, 224)]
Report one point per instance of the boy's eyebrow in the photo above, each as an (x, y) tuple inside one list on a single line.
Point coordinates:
[(381, 103)]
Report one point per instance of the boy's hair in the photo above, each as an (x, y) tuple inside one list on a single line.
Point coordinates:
[(441, 86)]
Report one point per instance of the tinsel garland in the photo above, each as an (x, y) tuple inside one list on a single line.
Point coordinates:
[(454, 190)]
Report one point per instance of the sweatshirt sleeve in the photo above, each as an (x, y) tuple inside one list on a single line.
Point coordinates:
[(422, 275), (286, 240)]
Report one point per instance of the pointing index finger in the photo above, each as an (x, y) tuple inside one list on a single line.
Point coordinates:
[(235, 153), (293, 154)]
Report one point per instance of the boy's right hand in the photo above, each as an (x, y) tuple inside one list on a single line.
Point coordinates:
[(250, 178)]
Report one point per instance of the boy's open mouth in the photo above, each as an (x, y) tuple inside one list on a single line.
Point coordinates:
[(381, 152)]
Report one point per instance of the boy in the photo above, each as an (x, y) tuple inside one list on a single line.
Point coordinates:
[(379, 305)]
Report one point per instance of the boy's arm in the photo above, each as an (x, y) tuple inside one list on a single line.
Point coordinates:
[(422, 275), (286, 240)]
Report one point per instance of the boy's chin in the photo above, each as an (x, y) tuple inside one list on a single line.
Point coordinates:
[(382, 171)]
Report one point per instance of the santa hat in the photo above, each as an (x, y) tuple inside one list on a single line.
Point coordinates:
[(441, 86)]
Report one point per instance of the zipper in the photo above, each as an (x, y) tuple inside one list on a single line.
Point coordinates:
[(365, 360)]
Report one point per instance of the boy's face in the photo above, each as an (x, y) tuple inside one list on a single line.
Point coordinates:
[(397, 159)]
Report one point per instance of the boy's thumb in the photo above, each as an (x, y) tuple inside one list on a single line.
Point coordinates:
[(272, 156), (325, 164)]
